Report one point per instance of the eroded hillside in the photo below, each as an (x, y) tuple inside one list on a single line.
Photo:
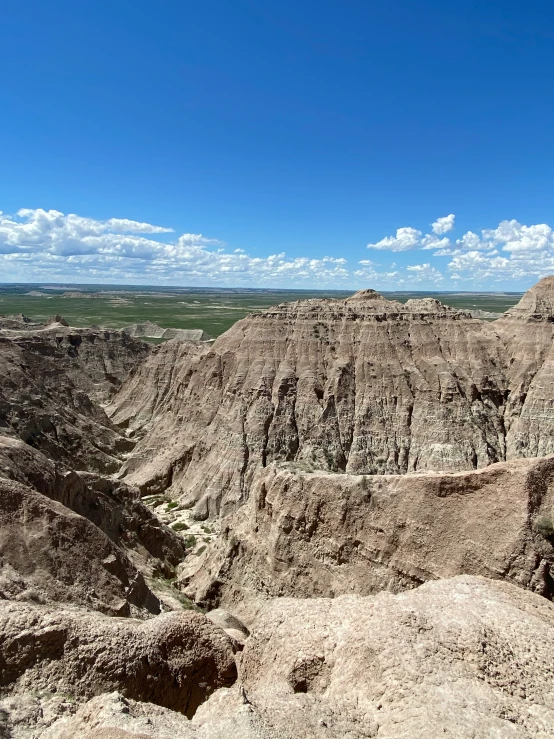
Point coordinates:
[(360, 386)]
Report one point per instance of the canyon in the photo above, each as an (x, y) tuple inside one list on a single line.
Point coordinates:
[(378, 482)]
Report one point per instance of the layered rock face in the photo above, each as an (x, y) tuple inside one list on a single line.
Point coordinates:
[(363, 386), (53, 381), (96, 360), (85, 538), (81, 540), (309, 535), (145, 393), (527, 332)]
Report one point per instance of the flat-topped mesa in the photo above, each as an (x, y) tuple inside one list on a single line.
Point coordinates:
[(364, 305), (537, 304)]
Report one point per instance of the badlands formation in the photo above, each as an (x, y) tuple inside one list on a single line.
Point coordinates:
[(334, 521)]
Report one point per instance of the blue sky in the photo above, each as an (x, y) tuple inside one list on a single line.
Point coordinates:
[(267, 144)]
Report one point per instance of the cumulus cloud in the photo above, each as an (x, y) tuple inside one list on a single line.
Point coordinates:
[(443, 225), (47, 245), (509, 253), (39, 244), (425, 273), (406, 238), (512, 251)]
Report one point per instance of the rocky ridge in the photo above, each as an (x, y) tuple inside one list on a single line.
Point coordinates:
[(315, 534), (359, 386)]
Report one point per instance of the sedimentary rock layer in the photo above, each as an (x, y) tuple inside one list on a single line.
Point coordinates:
[(315, 534), (86, 540), (51, 385), (464, 657), (363, 386)]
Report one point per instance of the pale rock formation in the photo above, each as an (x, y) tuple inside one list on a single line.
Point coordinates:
[(77, 539), (96, 360), (144, 394), (231, 625), (153, 331), (225, 715), (48, 554), (527, 331), (47, 399), (316, 534), (175, 660), (461, 658), (363, 385)]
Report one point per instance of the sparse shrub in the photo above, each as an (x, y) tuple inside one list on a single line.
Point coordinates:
[(180, 526), (190, 541), (200, 550), (544, 526), (173, 504)]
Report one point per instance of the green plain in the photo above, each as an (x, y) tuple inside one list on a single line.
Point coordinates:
[(214, 310)]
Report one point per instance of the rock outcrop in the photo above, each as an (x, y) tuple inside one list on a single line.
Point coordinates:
[(315, 534), (85, 540), (362, 385), (153, 331), (53, 383), (96, 360), (462, 658), (144, 395), (527, 332), (175, 660)]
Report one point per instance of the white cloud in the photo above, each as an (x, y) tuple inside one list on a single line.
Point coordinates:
[(433, 242), (406, 238), (443, 225), (41, 245), (425, 273)]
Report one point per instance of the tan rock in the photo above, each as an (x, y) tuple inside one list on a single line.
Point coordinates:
[(462, 658), (363, 385), (49, 554), (224, 715), (175, 660), (316, 534)]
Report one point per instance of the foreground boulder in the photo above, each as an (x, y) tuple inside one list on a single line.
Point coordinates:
[(226, 715), (462, 658), (175, 660), (315, 534)]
